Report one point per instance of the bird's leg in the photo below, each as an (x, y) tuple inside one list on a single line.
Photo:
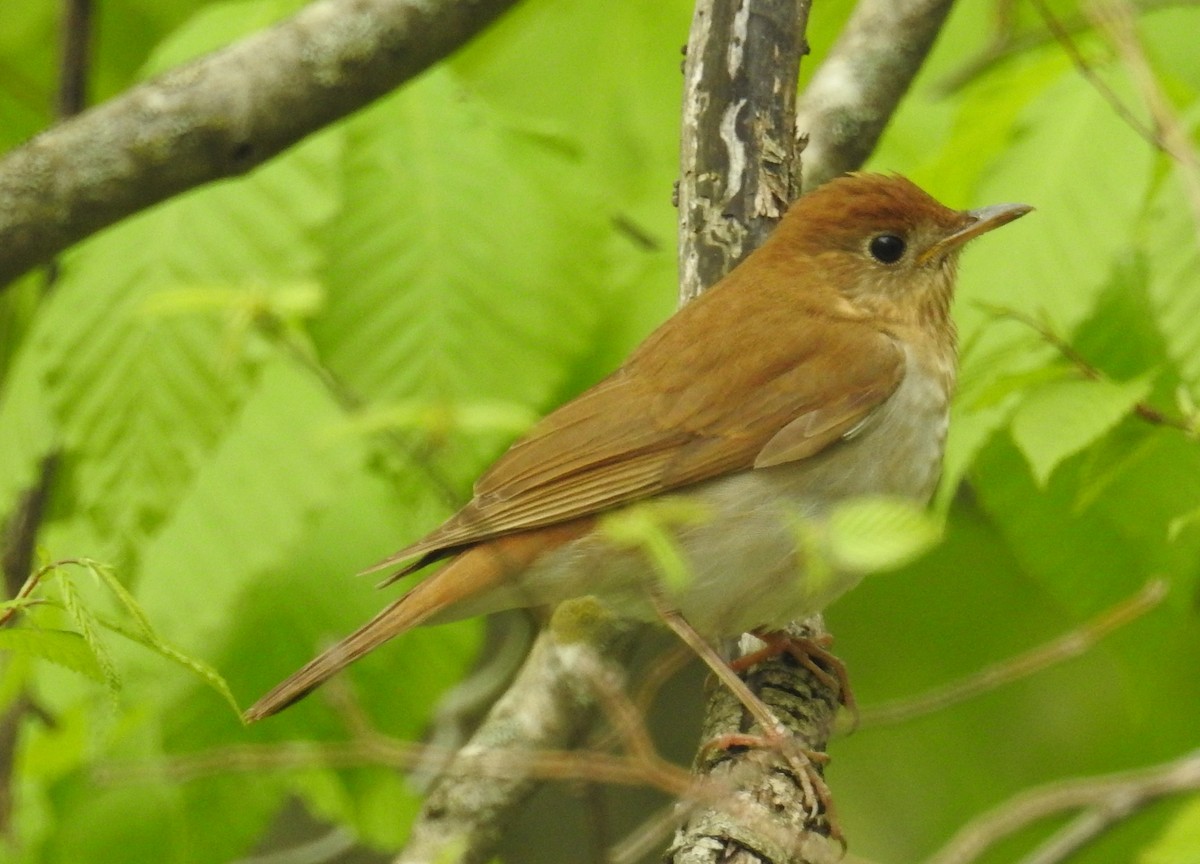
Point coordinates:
[(774, 734), (813, 654), (758, 709)]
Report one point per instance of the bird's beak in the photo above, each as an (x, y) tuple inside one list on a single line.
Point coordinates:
[(983, 220)]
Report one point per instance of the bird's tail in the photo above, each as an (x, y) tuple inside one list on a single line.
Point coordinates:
[(471, 584), (393, 620)]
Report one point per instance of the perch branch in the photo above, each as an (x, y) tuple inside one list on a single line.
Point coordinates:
[(218, 116)]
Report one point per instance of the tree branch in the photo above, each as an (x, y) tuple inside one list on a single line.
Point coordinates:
[(550, 705), (218, 116), (18, 536), (855, 91)]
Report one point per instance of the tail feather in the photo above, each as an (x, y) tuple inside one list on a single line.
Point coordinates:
[(392, 621), (466, 584)]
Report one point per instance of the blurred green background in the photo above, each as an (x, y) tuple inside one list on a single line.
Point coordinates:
[(471, 251)]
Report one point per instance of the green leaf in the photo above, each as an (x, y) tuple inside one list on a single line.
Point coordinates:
[(149, 639), (142, 395), (27, 429), (216, 26), (648, 527), (986, 400), (1173, 245), (246, 507), (1088, 173), (1183, 523), (1058, 420), (633, 143), (85, 622), (1178, 842), (465, 265), (1121, 337), (984, 119), (439, 419), (143, 633), (880, 533), (28, 55), (62, 647)]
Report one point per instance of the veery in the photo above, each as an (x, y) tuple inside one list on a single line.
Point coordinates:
[(820, 369)]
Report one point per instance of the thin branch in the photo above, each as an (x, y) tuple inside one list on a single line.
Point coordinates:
[(218, 116), (1105, 800), (1086, 69), (1007, 42), (1117, 21), (1065, 647), (853, 94), (19, 535), (76, 57), (18, 538)]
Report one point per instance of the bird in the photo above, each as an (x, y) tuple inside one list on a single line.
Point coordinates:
[(819, 370)]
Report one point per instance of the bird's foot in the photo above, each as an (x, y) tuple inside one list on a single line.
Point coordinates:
[(806, 768), (812, 654), (775, 736)]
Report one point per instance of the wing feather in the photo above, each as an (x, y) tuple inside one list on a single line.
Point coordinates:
[(679, 413)]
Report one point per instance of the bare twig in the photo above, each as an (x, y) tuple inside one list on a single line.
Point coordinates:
[(1105, 800), (1087, 71), (379, 750), (855, 91), (18, 536), (1065, 647), (1117, 21), (218, 117), (1008, 42), (76, 57)]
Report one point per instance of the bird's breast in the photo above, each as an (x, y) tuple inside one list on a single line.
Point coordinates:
[(897, 450)]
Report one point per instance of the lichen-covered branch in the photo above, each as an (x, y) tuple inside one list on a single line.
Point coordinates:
[(218, 116), (738, 142)]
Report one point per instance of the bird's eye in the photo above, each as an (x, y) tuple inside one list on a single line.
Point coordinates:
[(886, 248)]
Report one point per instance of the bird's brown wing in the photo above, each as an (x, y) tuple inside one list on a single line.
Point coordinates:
[(675, 415)]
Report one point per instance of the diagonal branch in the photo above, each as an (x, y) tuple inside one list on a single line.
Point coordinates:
[(219, 116), (855, 91), (1101, 801)]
